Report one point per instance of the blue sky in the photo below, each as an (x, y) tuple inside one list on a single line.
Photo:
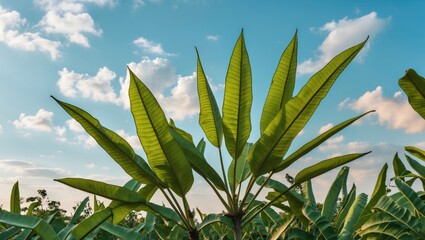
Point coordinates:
[(78, 50)]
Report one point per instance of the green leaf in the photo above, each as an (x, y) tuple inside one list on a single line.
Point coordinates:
[(10, 232), (295, 200), (215, 218), (113, 144), (398, 166), (322, 224), (282, 226), (352, 217), (330, 203), (289, 121), (282, 86), (325, 165), (178, 233), (396, 214), (419, 168), (109, 191), (181, 132), (36, 224), (345, 208), (316, 142), (209, 115), (412, 198), (239, 172), (414, 87), (162, 150), (122, 232), (15, 199), (121, 209), (198, 162), (91, 223), (419, 153), (237, 100), (309, 195), (79, 210), (201, 146), (384, 226)]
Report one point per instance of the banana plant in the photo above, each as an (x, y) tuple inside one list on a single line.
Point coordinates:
[(172, 155)]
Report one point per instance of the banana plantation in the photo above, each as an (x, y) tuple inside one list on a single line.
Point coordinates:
[(289, 210)]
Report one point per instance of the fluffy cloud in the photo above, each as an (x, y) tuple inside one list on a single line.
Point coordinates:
[(213, 38), (394, 112), (97, 88), (1, 128), (80, 137), (325, 128), (11, 35), (150, 47), (70, 19), (342, 34), (158, 74), (41, 121)]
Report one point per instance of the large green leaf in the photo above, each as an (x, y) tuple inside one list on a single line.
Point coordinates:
[(78, 212), (290, 120), (91, 223), (10, 232), (330, 203), (209, 115), (15, 199), (36, 224), (419, 153), (379, 191), (282, 226), (309, 195), (401, 216), (237, 100), (414, 87), (316, 142), (282, 86), (122, 232), (239, 170), (215, 218), (109, 191), (419, 168), (162, 150), (324, 166), (384, 226), (113, 144), (319, 221), (352, 217), (345, 208), (121, 209), (398, 166), (412, 198), (198, 162)]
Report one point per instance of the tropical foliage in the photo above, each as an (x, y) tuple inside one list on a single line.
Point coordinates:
[(288, 212)]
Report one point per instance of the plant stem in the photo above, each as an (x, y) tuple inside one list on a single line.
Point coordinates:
[(218, 195), (248, 189), (222, 169), (267, 205), (237, 222), (258, 192), (187, 225)]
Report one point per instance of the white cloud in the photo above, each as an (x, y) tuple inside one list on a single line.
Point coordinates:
[(133, 140), (97, 88), (213, 38), (150, 47), (395, 112), (41, 121), (74, 126), (342, 34), (176, 94), (10, 34), (1, 128), (325, 128), (70, 19)]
